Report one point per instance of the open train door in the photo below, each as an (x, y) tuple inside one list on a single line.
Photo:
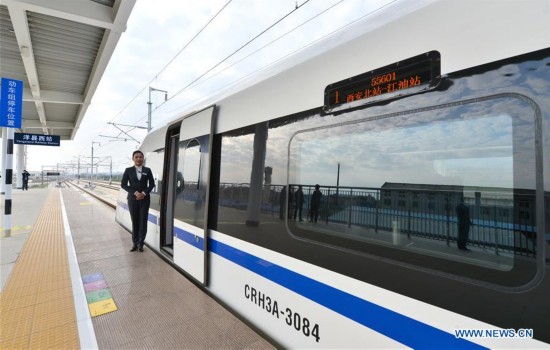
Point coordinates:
[(191, 202)]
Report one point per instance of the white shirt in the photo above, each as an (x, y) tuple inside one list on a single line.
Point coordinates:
[(138, 172)]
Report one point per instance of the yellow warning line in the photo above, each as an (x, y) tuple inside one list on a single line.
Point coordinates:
[(36, 306), (17, 228)]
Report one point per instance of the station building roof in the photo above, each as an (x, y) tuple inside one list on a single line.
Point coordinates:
[(60, 50)]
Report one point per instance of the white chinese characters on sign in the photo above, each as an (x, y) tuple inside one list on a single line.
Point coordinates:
[(11, 101)]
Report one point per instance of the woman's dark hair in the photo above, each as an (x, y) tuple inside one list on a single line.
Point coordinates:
[(138, 151)]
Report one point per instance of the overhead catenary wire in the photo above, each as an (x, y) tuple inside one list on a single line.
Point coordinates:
[(251, 40), (287, 55), (254, 38), (261, 48), (173, 58), (162, 70), (239, 49)]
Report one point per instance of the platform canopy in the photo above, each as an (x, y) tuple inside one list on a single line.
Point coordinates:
[(60, 50)]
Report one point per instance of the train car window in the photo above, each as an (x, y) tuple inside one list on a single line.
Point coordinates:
[(191, 190), (155, 161), (454, 182)]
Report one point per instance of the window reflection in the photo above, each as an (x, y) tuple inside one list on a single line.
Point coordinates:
[(403, 179), (155, 161), (191, 164), (189, 206)]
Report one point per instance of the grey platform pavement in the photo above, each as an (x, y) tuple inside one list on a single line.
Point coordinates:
[(26, 205)]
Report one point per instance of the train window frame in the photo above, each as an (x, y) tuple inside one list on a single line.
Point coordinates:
[(157, 158), (538, 264), (186, 157), (186, 208)]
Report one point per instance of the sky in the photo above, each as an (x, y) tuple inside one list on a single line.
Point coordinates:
[(158, 50)]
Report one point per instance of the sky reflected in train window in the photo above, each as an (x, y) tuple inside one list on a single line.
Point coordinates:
[(397, 181), (462, 152)]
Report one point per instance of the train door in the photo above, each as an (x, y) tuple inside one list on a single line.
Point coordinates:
[(170, 192), (191, 201)]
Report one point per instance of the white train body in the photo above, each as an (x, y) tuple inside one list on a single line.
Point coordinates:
[(380, 269)]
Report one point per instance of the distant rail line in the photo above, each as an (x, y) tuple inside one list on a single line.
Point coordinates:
[(98, 196)]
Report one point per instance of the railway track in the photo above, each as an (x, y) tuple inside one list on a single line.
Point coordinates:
[(102, 191)]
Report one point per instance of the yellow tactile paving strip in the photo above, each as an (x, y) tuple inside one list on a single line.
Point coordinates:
[(36, 306)]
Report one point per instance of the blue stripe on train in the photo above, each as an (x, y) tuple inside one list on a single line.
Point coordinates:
[(150, 217), (401, 328), (195, 241)]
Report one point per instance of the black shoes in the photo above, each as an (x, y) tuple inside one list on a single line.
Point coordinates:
[(134, 248)]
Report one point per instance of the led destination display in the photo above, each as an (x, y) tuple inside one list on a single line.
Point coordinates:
[(419, 71)]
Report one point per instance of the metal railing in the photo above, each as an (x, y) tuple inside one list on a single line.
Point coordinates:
[(499, 220)]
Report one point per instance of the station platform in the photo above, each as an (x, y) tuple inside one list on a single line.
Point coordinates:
[(69, 281)]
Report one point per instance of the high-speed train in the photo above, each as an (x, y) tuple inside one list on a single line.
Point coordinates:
[(324, 199)]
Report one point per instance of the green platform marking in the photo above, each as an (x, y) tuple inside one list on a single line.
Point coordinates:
[(98, 295)]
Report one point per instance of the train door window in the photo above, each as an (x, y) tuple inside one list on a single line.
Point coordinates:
[(192, 192), (155, 161), (475, 153)]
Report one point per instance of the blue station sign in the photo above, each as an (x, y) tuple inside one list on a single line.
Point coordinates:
[(36, 139), (11, 103)]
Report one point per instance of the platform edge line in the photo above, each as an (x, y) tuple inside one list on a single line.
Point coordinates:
[(84, 320)]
